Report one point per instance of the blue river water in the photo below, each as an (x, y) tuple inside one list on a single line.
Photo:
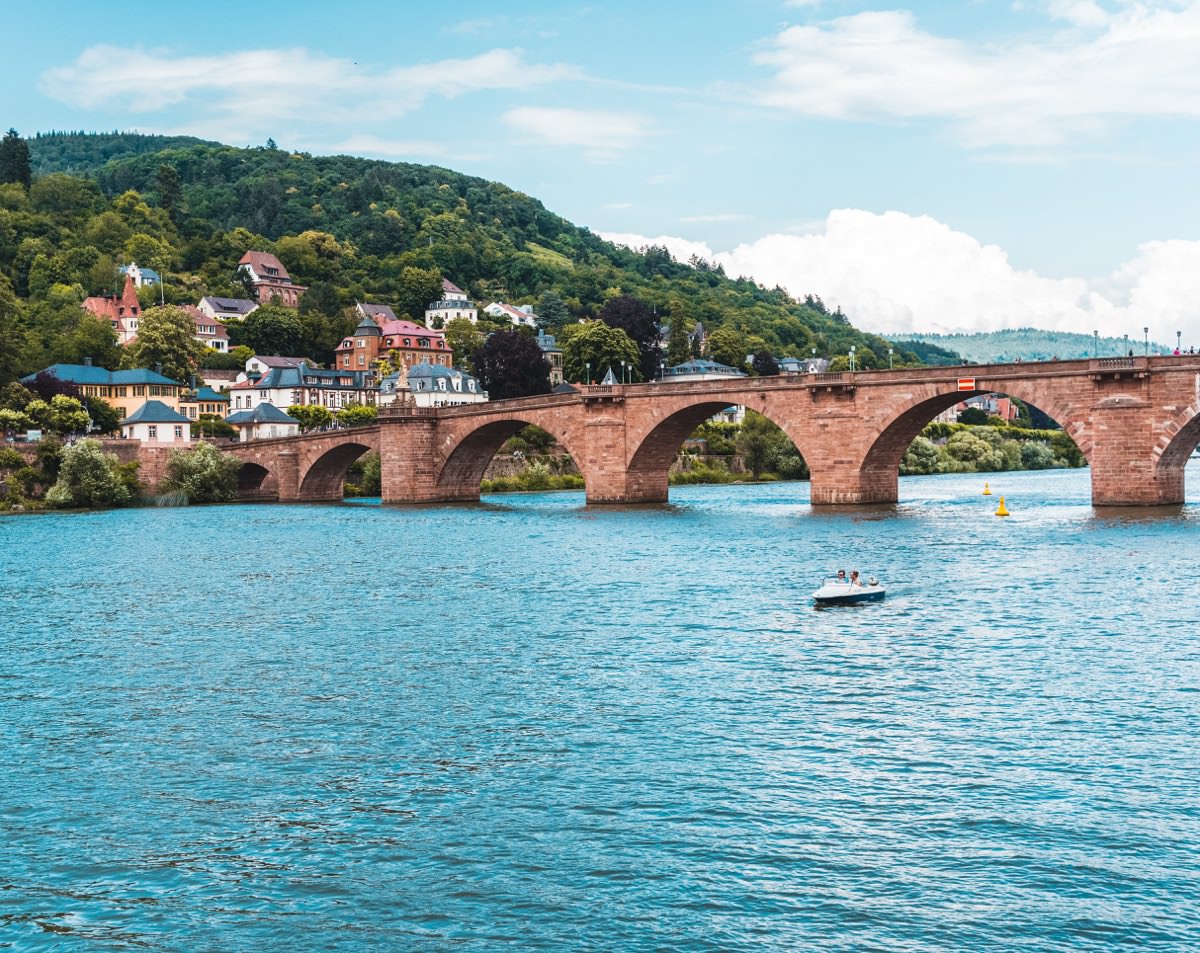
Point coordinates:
[(535, 725)]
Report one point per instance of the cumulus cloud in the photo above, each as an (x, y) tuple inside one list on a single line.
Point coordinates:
[(1135, 62), (253, 88), (893, 272), (600, 133)]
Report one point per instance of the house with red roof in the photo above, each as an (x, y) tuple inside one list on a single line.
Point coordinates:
[(405, 342), (123, 310), (270, 279)]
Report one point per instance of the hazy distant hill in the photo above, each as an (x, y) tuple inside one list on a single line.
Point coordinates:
[(1029, 344)]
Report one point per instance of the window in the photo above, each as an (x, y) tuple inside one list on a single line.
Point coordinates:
[(139, 390), (178, 431), (362, 360), (362, 342), (153, 432)]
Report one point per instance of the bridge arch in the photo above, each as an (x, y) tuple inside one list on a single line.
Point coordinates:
[(1180, 439), (325, 477), (655, 449), (880, 468), (253, 479), (462, 472)]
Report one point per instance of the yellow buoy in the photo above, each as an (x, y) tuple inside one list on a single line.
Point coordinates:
[(1002, 510), (987, 490)]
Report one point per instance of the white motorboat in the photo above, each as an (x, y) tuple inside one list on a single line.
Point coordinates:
[(839, 592)]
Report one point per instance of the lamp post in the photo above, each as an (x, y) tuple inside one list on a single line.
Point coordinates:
[(1146, 332), (1096, 344), (889, 358), (852, 350), (662, 370), (1178, 342), (1126, 347), (588, 365), (622, 372)]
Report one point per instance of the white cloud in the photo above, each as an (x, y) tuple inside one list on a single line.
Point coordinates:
[(255, 89), (680, 248), (1138, 61), (600, 133), (895, 273)]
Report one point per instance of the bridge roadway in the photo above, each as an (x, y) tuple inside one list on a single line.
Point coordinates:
[(1136, 420)]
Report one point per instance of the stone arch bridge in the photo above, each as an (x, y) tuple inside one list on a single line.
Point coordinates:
[(1136, 421)]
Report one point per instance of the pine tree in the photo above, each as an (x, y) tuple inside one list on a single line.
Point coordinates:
[(14, 160)]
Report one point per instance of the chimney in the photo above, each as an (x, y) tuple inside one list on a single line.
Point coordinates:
[(87, 362), (158, 368)]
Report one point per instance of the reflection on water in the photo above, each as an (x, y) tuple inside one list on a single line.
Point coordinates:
[(539, 725)]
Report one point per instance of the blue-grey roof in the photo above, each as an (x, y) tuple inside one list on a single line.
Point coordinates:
[(367, 327), (700, 366), (155, 412), (90, 374), (307, 376), (264, 413), (433, 370), (236, 305), (203, 393), (147, 273)]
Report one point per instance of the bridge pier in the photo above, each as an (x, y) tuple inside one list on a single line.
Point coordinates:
[(847, 486), (1125, 470), (287, 475)]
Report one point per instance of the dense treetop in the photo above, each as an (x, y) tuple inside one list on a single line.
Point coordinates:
[(350, 228)]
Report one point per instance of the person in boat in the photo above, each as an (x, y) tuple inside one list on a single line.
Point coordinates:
[(854, 580), (841, 576)]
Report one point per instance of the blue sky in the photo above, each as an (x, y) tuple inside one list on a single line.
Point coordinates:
[(934, 166)]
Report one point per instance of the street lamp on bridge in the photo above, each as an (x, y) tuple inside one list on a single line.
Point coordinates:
[(1146, 332), (1096, 344), (588, 375), (889, 358), (852, 350), (1178, 342)]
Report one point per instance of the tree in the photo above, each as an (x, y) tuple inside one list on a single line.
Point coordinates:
[(14, 160), (920, 457), (166, 336), (13, 420), (204, 474), (764, 364), (679, 343), (311, 416), (170, 192), (93, 338), (552, 310), (727, 345), (595, 347), (974, 416), (105, 417), (12, 338), (634, 317), (88, 477), (270, 329), (464, 339), (416, 288), (357, 415), (509, 364)]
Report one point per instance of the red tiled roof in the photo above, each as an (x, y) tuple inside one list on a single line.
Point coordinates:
[(260, 261), (450, 287)]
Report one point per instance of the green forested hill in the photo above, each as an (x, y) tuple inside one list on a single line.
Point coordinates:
[(82, 153), (352, 229)]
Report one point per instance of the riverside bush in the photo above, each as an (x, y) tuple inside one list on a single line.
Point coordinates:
[(88, 477)]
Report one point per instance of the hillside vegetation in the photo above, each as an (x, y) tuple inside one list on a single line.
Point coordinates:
[(1026, 344), (350, 228)]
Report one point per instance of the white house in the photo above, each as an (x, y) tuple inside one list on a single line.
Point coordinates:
[(263, 422), (283, 386), (155, 422), (226, 309), (522, 316), (453, 303), (141, 276), (432, 385)]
